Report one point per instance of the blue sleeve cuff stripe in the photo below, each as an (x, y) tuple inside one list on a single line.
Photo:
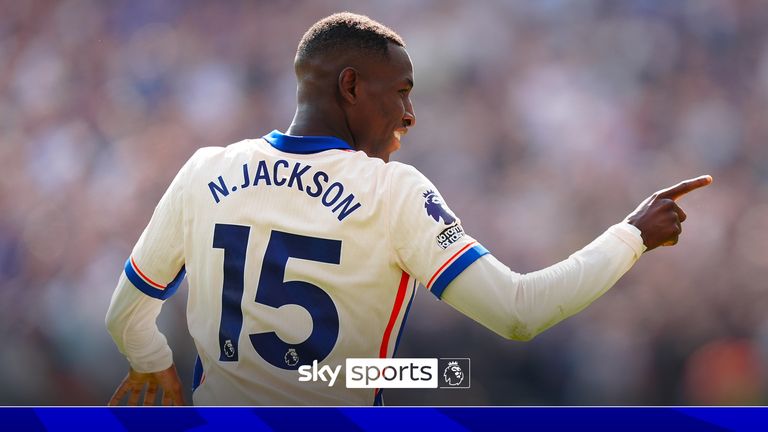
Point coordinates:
[(456, 268), (148, 289)]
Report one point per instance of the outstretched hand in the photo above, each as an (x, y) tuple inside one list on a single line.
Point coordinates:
[(659, 218), (166, 380)]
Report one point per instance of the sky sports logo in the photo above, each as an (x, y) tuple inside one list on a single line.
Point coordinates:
[(393, 373)]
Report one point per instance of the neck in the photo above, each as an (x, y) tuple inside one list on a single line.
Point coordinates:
[(320, 121)]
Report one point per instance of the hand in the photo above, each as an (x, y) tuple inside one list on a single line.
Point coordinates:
[(659, 218), (167, 380)]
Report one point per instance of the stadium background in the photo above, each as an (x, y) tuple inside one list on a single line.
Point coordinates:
[(542, 123)]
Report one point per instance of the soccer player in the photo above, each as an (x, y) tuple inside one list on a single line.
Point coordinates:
[(306, 247)]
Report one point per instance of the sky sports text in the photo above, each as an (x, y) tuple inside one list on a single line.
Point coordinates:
[(392, 373)]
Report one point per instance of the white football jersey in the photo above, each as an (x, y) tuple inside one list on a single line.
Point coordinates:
[(296, 249)]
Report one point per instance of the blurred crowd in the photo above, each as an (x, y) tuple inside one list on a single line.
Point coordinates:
[(542, 123)]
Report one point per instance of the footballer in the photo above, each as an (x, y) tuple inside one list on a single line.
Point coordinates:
[(306, 247)]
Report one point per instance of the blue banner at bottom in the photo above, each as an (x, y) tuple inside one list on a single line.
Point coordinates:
[(384, 419)]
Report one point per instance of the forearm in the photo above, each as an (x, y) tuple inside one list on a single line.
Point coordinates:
[(131, 320), (520, 306)]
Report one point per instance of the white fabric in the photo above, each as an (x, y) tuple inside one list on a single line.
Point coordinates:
[(131, 322), (401, 229), (520, 306), (400, 234)]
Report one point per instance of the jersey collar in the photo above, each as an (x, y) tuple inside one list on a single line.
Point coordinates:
[(304, 144)]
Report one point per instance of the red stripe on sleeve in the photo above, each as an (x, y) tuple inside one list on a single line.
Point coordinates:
[(143, 276), (448, 262)]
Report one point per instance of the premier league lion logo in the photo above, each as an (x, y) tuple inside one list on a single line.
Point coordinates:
[(436, 209), (229, 349), (291, 357), (453, 375)]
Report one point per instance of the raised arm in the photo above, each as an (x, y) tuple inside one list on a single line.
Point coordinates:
[(520, 306)]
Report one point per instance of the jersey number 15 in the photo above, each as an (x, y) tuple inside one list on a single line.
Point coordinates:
[(273, 291)]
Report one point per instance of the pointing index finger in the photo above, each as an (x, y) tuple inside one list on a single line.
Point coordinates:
[(684, 187)]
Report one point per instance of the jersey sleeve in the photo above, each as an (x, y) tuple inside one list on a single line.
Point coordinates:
[(131, 321), (520, 306), (156, 264), (428, 239)]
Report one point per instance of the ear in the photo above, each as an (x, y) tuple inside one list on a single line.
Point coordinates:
[(348, 82)]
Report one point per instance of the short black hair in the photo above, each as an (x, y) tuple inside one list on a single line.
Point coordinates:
[(347, 31)]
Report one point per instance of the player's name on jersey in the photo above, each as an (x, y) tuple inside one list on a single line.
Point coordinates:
[(280, 173)]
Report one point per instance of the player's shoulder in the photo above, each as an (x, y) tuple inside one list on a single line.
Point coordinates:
[(402, 173), (402, 168)]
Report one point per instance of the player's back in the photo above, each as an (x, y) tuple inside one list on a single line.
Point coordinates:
[(289, 260)]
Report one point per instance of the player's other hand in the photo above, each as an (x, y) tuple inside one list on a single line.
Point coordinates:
[(167, 381), (659, 218)]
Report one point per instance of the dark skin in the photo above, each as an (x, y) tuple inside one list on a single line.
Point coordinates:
[(366, 102), (165, 382), (659, 218)]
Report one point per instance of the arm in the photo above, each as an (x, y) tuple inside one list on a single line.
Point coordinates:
[(131, 322), (521, 306), (152, 273)]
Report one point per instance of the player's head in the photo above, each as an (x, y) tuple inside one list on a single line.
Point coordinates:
[(357, 72)]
